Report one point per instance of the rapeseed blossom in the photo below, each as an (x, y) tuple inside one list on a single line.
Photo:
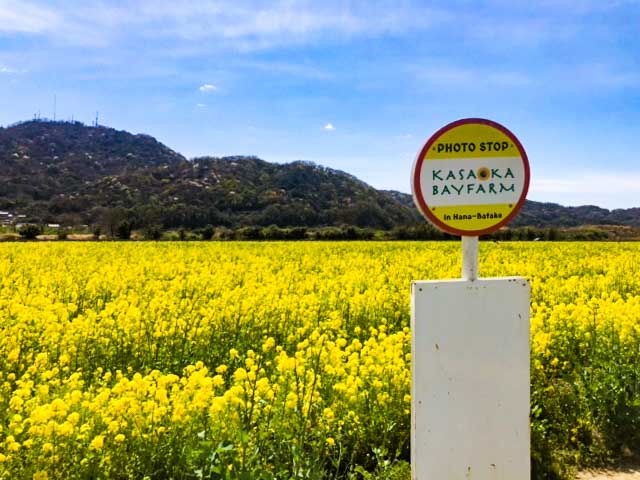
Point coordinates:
[(117, 360)]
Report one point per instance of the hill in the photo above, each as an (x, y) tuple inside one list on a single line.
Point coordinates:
[(546, 215), (71, 174)]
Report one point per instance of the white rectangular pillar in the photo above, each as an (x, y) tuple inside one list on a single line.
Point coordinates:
[(470, 392)]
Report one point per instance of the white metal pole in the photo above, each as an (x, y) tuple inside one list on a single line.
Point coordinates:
[(469, 258)]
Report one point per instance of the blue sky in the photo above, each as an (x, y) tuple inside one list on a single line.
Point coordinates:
[(354, 85)]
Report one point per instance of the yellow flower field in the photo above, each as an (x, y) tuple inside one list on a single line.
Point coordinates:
[(285, 360)]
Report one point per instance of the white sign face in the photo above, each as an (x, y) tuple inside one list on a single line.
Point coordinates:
[(459, 182), (470, 391)]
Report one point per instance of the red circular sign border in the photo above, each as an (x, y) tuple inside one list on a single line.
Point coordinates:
[(418, 197)]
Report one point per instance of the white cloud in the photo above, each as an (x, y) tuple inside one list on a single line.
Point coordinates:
[(329, 127), (589, 183), (262, 24), (605, 75), (558, 78), (302, 70), (246, 26), (260, 20), (208, 88), (589, 188), (404, 136), (26, 17), (6, 70), (455, 76), (200, 105), (570, 76)]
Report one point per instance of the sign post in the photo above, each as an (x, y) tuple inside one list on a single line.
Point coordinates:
[(469, 258), (470, 337)]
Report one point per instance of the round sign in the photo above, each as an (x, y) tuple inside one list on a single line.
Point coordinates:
[(471, 177)]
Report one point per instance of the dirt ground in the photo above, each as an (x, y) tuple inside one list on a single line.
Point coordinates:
[(624, 474)]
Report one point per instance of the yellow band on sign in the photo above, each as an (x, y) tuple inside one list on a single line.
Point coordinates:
[(473, 217), (472, 141), (471, 177)]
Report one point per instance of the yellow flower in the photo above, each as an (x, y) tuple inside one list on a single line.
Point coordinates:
[(97, 443), (240, 375), (268, 344), (292, 400), (321, 331), (73, 418)]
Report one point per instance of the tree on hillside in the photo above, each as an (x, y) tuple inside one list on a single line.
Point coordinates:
[(119, 222), (29, 231)]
